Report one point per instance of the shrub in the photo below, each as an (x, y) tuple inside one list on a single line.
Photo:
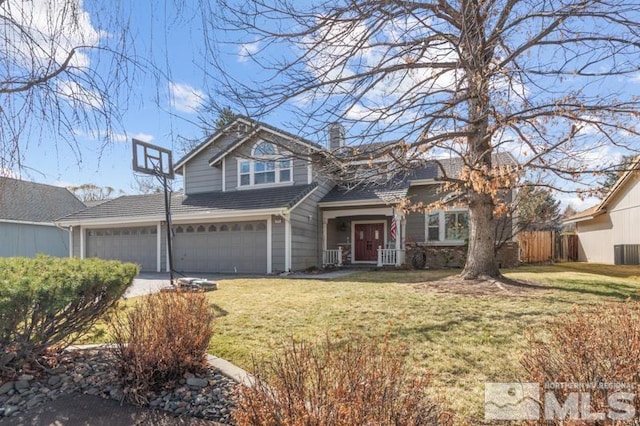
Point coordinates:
[(361, 382), (160, 339), (595, 347), (50, 301)]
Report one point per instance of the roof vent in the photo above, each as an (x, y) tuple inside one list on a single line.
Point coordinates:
[(336, 136)]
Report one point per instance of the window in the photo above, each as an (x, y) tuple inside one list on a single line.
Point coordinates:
[(447, 226), (456, 225), (433, 227), (267, 167)]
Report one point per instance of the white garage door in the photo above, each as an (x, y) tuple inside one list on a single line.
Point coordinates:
[(137, 245), (221, 247)]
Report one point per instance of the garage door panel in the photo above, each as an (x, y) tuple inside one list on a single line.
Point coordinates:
[(221, 247), (134, 244)]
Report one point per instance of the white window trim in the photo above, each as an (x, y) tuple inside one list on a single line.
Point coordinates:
[(252, 161), (442, 231)]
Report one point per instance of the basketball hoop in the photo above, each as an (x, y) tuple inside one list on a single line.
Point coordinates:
[(157, 161), (152, 159)]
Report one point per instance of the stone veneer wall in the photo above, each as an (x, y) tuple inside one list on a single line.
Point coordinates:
[(439, 257)]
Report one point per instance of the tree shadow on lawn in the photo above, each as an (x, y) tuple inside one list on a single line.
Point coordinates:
[(431, 332)]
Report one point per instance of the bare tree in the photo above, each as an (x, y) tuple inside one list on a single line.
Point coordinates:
[(450, 78), (64, 73), (91, 192)]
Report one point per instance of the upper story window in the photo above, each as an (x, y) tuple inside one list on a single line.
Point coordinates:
[(267, 166), (450, 226)]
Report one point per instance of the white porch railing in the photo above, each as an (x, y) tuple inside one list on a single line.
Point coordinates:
[(390, 257), (332, 257)]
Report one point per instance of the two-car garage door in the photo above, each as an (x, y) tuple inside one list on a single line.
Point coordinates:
[(199, 247), (221, 247)]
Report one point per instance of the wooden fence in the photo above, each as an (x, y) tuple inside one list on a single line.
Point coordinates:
[(537, 246), (547, 246)]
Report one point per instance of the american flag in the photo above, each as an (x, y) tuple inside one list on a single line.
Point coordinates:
[(393, 227)]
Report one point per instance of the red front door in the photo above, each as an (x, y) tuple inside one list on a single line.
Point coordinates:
[(368, 237)]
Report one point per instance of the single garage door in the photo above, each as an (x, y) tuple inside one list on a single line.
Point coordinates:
[(221, 247), (137, 245)]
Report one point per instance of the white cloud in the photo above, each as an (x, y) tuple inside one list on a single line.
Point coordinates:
[(577, 203), (144, 137), (113, 136), (246, 50), (7, 172), (75, 93), (51, 30), (185, 98)]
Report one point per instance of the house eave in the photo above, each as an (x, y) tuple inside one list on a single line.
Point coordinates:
[(583, 218), (196, 216), (419, 182), (367, 202), (27, 222)]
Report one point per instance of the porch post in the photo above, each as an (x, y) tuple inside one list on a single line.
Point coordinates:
[(324, 232), (287, 242), (82, 253)]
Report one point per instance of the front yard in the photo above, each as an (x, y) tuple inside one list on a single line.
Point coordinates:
[(464, 334)]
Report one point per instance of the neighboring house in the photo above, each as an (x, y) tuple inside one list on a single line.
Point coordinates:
[(610, 232), (250, 205), (27, 214)]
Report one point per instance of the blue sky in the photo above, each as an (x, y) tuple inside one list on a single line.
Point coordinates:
[(158, 111), (161, 109)]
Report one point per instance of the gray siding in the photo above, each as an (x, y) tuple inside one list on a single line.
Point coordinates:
[(306, 230), (76, 242), (199, 176), (416, 228), (415, 221), (300, 170), (278, 245), (28, 240)]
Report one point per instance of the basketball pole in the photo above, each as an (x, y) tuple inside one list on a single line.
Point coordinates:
[(167, 210)]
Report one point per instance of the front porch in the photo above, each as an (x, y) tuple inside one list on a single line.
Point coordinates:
[(364, 235)]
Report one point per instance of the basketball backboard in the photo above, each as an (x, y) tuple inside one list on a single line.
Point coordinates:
[(152, 159)]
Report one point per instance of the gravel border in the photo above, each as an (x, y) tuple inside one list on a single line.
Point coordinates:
[(90, 370)]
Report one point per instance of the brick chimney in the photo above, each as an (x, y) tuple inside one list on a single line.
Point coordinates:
[(336, 136)]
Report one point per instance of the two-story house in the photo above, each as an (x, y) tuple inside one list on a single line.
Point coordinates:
[(255, 202)]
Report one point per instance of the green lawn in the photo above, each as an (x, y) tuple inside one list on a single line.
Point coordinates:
[(463, 339)]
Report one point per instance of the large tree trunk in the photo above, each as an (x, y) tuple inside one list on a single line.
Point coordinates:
[(481, 258)]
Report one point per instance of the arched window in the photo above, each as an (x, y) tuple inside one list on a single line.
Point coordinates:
[(264, 149), (266, 167)]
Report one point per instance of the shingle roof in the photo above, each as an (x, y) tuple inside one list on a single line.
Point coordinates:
[(131, 206), (35, 202), (389, 193), (451, 167), (393, 191)]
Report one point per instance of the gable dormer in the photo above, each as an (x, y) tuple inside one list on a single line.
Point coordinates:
[(247, 154)]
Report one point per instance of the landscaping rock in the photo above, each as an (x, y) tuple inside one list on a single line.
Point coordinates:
[(21, 384), (6, 388), (210, 396), (197, 382)]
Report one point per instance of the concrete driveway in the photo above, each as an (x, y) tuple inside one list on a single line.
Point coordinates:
[(150, 282)]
